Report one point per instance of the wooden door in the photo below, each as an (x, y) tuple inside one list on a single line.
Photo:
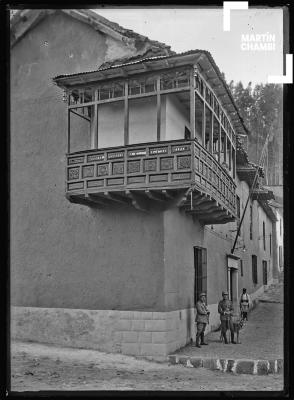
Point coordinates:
[(200, 276), (264, 268)]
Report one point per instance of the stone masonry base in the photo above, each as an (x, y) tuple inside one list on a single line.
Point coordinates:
[(140, 333)]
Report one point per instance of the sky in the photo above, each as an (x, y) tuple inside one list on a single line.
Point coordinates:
[(191, 28)]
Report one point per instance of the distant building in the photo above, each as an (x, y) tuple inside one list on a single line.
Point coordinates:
[(126, 196)]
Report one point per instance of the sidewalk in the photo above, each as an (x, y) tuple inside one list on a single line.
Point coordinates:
[(261, 348)]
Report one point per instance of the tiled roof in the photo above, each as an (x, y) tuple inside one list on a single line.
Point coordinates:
[(23, 20), (124, 62)]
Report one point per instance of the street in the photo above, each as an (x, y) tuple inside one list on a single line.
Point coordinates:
[(43, 367)]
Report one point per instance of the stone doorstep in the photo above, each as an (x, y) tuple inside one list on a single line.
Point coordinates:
[(239, 366)]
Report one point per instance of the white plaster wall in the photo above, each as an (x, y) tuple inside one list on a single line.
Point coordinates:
[(111, 124), (225, 235), (142, 120), (177, 117)]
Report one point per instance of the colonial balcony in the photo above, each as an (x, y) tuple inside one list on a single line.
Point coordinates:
[(153, 175), (162, 133)]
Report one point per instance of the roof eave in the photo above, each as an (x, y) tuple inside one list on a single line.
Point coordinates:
[(161, 62)]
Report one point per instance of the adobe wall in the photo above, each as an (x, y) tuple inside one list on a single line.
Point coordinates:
[(181, 235), (63, 254)]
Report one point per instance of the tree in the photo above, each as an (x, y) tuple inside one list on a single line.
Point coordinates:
[(261, 108)]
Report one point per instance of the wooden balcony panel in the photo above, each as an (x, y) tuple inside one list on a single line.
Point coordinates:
[(151, 174), (262, 194), (161, 165)]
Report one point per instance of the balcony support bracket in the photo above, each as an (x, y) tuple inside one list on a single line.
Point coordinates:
[(138, 201)]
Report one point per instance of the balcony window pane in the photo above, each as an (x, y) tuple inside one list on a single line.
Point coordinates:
[(81, 96), (119, 90), (150, 85), (199, 84), (208, 127), (215, 137), (198, 117), (208, 96), (88, 95), (142, 85), (104, 93), (173, 80), (134, 87), (111, 90), (80, 129)]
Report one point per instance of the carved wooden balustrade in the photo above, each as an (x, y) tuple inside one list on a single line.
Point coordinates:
[(178, 172)]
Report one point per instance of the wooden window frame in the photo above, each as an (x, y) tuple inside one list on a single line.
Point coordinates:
[(254, 269)]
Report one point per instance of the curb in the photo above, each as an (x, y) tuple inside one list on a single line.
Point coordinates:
[(241, 366), (270, 301)]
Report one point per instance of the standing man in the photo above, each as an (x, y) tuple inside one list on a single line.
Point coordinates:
[(244, 304), (225, 309), (202, 319)]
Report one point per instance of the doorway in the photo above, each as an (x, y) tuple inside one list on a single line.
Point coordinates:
[(233, 285), (233, 262), (264, 269), (200, 276)]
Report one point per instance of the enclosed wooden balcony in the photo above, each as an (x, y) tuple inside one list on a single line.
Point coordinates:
[(153, 175), (153, 133)]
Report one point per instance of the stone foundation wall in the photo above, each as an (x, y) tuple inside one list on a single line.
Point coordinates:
[(139, 333)]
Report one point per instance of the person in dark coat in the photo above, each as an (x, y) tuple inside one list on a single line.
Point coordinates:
[(202, 319), (225, 309)]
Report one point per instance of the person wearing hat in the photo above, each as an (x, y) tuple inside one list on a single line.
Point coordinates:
[(225, 309), (202, 319), (245, 303)]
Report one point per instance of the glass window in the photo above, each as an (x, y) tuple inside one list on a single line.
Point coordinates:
[(111, 90), (142, 85), (81, 96), (174, 79)]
